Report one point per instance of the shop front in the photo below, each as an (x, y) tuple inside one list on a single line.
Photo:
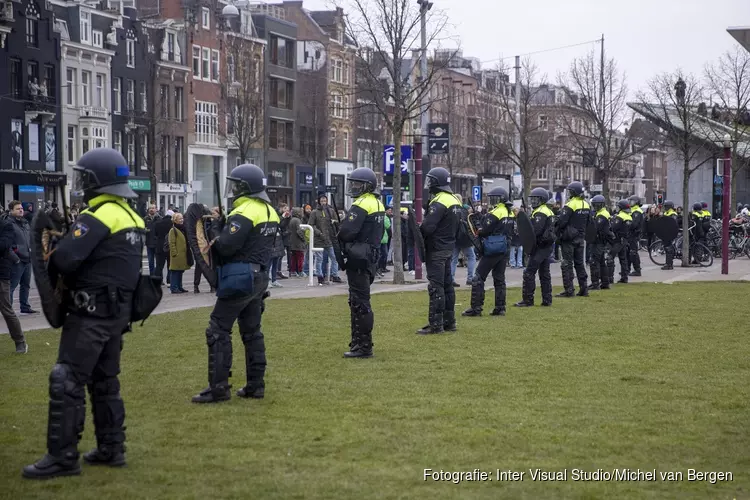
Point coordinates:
[(33, 186), (169, 195), (277, 181), (305, 185), (142, 187)]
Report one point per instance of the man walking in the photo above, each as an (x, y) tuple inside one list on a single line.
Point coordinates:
[(22, 247), (322, 219)]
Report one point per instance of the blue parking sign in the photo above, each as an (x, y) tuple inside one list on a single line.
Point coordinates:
[(476, 193), (388, 150), (388, 200)]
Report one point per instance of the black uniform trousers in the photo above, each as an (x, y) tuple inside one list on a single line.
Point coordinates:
[(495, 264), (634, 259), (600, 264), (538, 262), (669, 252), (572, 257), (362, 317), (247, 311), (620, 250), (89, 355), (440, 288), (162, 259)]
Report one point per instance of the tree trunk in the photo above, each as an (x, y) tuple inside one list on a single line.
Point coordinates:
[(605, 187), (686, 212), (526, 189), (398, 264)]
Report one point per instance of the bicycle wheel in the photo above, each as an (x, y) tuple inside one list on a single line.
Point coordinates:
[(656, 253), (702, 254)]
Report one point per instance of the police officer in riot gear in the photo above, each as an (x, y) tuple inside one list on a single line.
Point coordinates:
[(669, 211), (439, 229), (496, 230), (634, 239), (543, 221), (571, 227), (243, 246), (622, 224), (360, 234), (600, 248), (100, 259)]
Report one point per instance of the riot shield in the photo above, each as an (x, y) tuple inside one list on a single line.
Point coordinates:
[(665, 228), (526, 232), (417, 236), (590, 231), (196, 218), (45, 234)]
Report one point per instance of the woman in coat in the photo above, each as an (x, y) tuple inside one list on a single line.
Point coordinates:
[(181, 259), (297, 244)]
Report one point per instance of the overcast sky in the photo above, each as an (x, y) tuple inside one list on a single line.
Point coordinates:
[(646, 37)]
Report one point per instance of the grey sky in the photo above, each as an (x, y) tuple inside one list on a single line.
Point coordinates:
[(645, 36)]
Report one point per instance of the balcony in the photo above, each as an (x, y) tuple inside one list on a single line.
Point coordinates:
[(93, 112)]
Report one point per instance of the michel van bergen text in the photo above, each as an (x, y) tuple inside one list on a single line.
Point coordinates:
[(577, 475)]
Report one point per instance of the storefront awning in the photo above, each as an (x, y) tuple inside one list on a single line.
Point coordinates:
[(33, 178)]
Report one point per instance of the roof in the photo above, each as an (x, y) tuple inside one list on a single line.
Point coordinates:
[(741, 34), (704, 130), (327, 18)]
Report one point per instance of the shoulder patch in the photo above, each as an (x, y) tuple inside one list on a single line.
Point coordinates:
[(80, 230), (352, 216), (433, 209), (234, 227)]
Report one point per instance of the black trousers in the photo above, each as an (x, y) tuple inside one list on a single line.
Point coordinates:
[(247, 311), (538, 262), (620, 250), (572, 257), (495, 265), (634, 259), (440, 288), (599, 264), (162, 259), (669, 252), (362, 317), (89, 356)]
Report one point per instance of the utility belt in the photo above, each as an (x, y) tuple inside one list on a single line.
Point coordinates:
[(237, 278), (104, 302)]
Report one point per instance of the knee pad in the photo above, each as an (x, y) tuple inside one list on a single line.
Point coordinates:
[(62, 382), (360, 309), (103, 388)]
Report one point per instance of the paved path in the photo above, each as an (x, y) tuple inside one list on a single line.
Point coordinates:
[(739, 269)]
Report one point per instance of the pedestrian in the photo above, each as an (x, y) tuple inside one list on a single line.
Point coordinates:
[(297, 244), (22, 247), (101, 260), (322, 219), (600, 247), (634, 238), (463, 244), (244, 244), (286, 217), (8, 259), (622, 224), (161, 230), (180, 256), (150, 220), (516, 249)]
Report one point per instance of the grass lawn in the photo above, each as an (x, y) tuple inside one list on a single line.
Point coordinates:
[(643, 376)]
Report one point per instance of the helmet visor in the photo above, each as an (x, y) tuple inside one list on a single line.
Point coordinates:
[(82, 179), (235, 187), (356, 188), (536, 201), (430, 181)]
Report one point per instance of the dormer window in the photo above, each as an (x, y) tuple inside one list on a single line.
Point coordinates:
[(205, 18), (170, 46), (130, 52), (340, 35), (85, 27), (98, 38)]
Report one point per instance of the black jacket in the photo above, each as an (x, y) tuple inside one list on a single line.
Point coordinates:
[(151, 221), (161, 230), (440, 225), (7, 257), (22, 238)]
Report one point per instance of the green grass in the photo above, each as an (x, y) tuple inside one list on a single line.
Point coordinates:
[(642, 376)]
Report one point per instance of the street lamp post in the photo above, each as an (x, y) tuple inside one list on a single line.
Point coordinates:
[(725, 204), (418, 194)]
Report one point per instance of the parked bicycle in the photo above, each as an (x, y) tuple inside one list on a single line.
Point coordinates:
[(699, 253)]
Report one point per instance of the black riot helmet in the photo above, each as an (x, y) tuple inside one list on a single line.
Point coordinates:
[(362, 180), (635, 201), (623, 205), (246, 180), (575, 189), (102, 171), (498, 195), (697, 207), (669, 205), (538, 197), (598, 202), (438, 179), (551, 199)]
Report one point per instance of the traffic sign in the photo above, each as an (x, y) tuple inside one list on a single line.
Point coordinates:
[(438, 139), (596, 188), (388, 150), (476, 193), (331, 188), (388, 200)]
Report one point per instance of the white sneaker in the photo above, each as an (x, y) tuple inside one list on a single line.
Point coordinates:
[(276, 284), (412, 273)]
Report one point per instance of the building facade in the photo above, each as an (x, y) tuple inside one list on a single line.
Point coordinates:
[(30, 156)]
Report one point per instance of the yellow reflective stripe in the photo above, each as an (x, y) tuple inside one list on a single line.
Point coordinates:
[(543, 209), (500, 212), (256, 211), (603, 212), (114, 213), (577, 204), (445, 199), (624, 216), (371, 204)]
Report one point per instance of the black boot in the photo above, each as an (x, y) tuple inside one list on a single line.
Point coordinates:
[(49, 467), (471, 313), (362, 324), (358, 351), (213, 395), (525, 303), (595, 286), (498, 312), (635, 273), (196, 289), (256, 390), (583, 290), (565, 294), (449, 321), (109, 423), (219, 363), (103, 455), (430, 329)]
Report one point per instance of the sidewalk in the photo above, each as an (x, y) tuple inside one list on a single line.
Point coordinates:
[(295, 288)]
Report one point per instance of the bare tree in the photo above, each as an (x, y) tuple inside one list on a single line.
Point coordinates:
[(670, 101), (243, 88), (599, 90), (502, 128), (386, 32), (457, 158), (728, 81)]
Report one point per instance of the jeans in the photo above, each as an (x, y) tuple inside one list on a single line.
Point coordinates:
[(471, 265), (176, 280), (383, 258), (151, 254), (316, 261), (22, 275), (274, 267), (322, 265), (516, 256)]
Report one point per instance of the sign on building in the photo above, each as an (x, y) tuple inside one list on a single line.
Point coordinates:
[(438, 139), (388, 159)]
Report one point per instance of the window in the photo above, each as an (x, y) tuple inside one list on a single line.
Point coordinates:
[(346, 73), (230, 69), (130, 52), (144, 97), (542, 173), (85, 88), (70, 85), (130, 95), (206, 122), (99, 98), (117, 141), (543, 122), (205, 67), (100, 137), (558, 173), (144, 150), (332, 143), (72, 156), (117, 95), (289, 136), (164, 98), (178, 103), (346, 145), (170, 47), (273, 135), (196, 62), (205, 18), (16, 78), (32, 32), (85, 140), (215, 65), (282, 52), (85, 27), (336, 70), (130, 156), (50, 82), (337, 103), (97, 38), (165, 159), (345, 110), (178, 144), (32, 69)]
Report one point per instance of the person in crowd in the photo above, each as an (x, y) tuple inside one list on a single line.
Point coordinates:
[(543, 223), (180, 256), (286, 215), (8, 260), (600, 247), (297, 244), (571, 227), (152, 217), (384, 241), (465, 245), (516, 250), (161, 230), (622, 224), (22, 247), (277, 254), (322, 218)]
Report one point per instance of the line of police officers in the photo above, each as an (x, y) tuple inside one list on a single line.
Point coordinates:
[(100, 260)]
